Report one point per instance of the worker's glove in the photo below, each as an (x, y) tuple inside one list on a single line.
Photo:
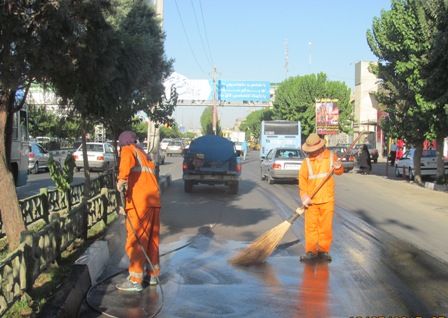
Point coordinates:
[(306, 200), (337, 164), (122, 185)]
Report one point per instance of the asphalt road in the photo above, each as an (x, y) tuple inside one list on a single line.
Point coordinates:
[(389, 253)]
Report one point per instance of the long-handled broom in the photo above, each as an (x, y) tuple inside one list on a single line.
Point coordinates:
[(260, 249)]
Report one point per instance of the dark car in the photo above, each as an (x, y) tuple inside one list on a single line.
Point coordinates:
[(348, 161), (282, 164)]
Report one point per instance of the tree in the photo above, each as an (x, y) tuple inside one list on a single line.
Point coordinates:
[(42, 122), (436, 84), (142, 67), (20, 27), (401, 39), (207, 122), (252, 124), (295, 99)]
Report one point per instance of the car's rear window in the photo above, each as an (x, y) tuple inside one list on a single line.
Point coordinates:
[(428, 153), (289, 153)]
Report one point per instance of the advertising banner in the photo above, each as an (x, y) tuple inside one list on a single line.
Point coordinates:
[(327, 116), (188, 89)]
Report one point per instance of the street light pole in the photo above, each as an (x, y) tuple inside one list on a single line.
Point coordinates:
[(153, 128)]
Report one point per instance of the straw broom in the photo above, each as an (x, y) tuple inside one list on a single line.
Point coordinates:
[(260, 249)]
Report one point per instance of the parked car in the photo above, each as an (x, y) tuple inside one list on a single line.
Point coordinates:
[(348, 162), (161, 153), (372, 150), (175, 147), (428, 164), (37, 158), (281, 164), (101, 156), (164, 143)]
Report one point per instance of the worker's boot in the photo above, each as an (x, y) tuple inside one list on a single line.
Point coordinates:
[(324, 256), (309, 256)]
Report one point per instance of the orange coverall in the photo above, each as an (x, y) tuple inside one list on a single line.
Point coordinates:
[(319, 215), (143, 211)]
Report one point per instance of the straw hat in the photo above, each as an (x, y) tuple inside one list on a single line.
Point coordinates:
[(313, 143)]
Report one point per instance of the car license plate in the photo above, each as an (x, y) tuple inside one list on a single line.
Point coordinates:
[(292, 166)]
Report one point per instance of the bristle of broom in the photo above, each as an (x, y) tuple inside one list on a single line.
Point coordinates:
[(260, 249)]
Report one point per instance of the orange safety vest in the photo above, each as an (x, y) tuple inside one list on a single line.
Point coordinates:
[(313, 172)]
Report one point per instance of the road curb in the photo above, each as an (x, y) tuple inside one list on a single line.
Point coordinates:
[(89, 267), (435, 186)]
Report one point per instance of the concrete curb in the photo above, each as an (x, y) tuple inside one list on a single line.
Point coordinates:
[(435, 186), (90, 265)]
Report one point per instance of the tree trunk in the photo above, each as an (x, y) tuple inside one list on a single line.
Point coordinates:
[(440, 177), (9, 203), (417, 159)]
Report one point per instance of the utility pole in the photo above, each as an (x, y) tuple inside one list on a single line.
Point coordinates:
[(214, 111), (309, 56), (153, 129), (286, 59)]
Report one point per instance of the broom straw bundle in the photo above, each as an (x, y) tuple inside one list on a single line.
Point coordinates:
[(260, 249)]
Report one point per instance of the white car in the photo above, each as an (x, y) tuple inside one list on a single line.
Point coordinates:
[(164, 143), (428, 164), (101, 156)]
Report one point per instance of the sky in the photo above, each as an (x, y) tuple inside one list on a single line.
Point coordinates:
[(254, 40)]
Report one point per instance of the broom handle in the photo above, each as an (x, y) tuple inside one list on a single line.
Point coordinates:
[(300, 210)]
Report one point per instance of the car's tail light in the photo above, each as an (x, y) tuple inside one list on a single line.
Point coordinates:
[(351, 158), (276, 166), (238, 166), (100, 158), (185, 166), (31, 155), (76, 157)]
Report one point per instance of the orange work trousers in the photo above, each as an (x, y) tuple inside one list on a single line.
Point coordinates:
[(146, 224), (318, 227)]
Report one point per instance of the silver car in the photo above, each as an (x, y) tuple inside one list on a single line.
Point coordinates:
[(37, 158), (281, 164), (101, 156)]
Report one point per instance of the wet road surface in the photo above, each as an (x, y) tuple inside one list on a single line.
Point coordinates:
[(373, 273)]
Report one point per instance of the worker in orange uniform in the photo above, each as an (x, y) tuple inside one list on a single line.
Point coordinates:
[(320, 208), (136, 176)]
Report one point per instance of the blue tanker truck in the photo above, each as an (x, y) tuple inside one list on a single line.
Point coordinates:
[(211, 160)]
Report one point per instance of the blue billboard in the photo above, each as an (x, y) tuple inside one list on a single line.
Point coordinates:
[(225, 90), (243, 90)]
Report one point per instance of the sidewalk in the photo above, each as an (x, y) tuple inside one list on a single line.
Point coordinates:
[(383, 168), (88, 268)]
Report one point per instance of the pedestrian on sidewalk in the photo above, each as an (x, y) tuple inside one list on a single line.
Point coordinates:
[(136, 176), (393, 153), (365, 162), (320, 209), (244, 145)]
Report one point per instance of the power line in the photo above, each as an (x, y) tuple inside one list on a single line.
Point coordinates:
[(188, 40), (205, 31), (200, 34)]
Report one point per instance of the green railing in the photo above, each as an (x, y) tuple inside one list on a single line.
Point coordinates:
[(20, 268)]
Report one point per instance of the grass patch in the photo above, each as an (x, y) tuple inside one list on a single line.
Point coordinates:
[(49, 282)]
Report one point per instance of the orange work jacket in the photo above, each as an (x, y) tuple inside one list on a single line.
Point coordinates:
[(143, 188), (309, 180)]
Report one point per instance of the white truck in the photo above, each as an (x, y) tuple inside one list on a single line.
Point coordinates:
[(238, 137)]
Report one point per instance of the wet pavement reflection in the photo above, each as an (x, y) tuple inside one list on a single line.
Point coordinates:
[(364, 279)]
